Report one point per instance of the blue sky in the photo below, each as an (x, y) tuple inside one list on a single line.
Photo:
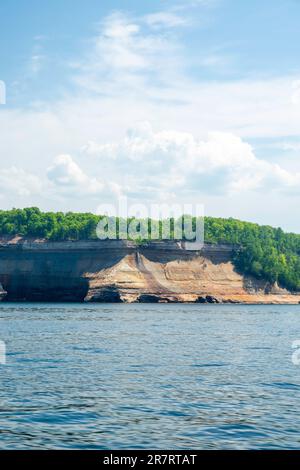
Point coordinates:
[(243, 39), (157, 100)]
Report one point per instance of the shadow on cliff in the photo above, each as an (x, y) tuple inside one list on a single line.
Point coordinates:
[(51, 276), (48, 289)]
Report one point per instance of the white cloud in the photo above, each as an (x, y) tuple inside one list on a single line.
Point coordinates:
[(118, 44), (66, 172), (37, 58), (68, 178), (133, 73), (19, 182), (126, 59), (133, 70), (293, 146), (165, 19), (178, 161), (295, 98), (36, 61)]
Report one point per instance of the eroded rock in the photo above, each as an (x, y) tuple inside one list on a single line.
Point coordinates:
[(207, 299), (107, 294)]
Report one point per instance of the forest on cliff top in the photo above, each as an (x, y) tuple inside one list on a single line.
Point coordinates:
[(263, 251)]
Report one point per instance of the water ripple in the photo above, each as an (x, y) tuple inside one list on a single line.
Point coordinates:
[(149, 376)]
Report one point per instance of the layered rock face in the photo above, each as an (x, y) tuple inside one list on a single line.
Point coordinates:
[(121, 271)]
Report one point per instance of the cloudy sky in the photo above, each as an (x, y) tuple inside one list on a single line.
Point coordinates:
[(161, 101)]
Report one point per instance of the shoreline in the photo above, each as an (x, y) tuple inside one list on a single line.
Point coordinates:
[(227, 302)]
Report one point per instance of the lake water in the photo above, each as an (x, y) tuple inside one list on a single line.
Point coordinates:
[(111, 376)]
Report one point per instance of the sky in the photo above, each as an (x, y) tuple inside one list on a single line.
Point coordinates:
[(194, 101)]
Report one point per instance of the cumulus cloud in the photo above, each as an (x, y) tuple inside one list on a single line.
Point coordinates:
[(18, 182), (68, 177), (136, 69), (65, 171), (178, 160)]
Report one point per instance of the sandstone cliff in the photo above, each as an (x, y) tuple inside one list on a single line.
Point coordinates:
[(118, 271)]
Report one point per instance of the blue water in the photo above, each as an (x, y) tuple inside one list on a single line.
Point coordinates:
[(149, 376)]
